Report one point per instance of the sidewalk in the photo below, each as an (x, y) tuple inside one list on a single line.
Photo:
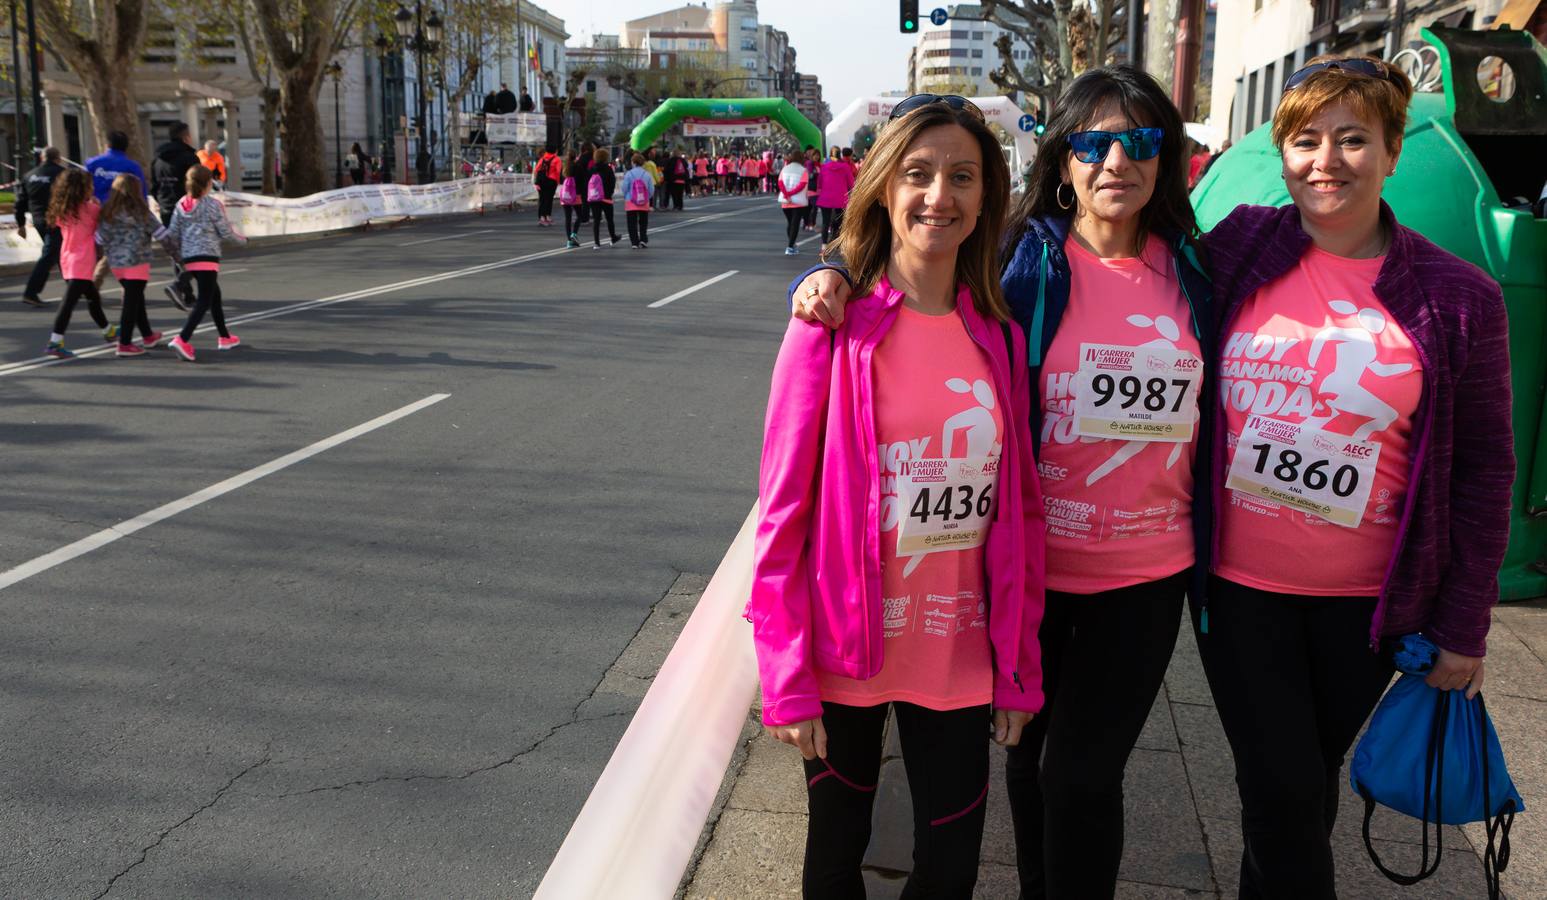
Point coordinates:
[(1183, 826)]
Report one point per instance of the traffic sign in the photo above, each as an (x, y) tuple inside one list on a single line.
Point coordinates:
[(939, 16), (1028, 122)]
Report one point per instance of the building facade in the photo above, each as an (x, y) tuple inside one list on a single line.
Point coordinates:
[(955, 57)]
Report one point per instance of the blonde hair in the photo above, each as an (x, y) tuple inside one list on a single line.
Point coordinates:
[(865, 238), (1384, 99), (601, 155)]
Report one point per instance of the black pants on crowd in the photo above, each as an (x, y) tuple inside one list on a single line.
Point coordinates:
[(74, 289), (792, 218), (946, 757), (545, 191), (811, 212), (1103, 659), (133, 315), (1294, 679), (208, 301), (832, 220), (599, 209), (572, 219), (638, 226), (53, 239), (678, 191)]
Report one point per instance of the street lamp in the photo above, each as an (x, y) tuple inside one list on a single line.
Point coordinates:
[(384, 50), (423, 36), (336, 71)]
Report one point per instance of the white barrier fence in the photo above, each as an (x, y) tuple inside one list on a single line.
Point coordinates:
[(637, 830), (256, 215)]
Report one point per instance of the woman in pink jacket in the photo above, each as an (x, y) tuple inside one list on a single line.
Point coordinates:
[(899, 542), (834, 183)]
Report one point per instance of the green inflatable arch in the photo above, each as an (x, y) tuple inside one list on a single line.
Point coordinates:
[(778, 109)]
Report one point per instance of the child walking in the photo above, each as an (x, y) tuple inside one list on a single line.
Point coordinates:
[(598, 193), (74, 210), (638, 189), (126, 229), (573, 201), (198, 227)]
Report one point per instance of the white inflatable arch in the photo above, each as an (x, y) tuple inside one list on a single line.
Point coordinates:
[(873, 111)]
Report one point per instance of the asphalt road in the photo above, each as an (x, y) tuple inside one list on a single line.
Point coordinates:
[(365, 673)]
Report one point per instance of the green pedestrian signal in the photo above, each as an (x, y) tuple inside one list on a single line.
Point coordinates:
[(908, 19)]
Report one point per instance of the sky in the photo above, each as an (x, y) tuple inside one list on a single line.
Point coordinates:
[(852, 46)]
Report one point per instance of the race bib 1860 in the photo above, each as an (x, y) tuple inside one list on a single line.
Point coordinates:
[(1324, 474), (1137, 393), (947, 503)]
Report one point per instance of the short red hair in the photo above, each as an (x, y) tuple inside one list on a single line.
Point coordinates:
[(1383, 99)]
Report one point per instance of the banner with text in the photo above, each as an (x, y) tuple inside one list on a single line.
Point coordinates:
[(257, 216), (516, 128), (726, 128)]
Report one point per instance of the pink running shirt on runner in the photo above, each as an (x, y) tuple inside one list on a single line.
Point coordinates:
[(1365, 381), (78, 244), (931, 379), (1119, 512), (140, 272)]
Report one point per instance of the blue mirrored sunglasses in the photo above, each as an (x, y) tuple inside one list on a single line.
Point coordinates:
[(1138, 143)]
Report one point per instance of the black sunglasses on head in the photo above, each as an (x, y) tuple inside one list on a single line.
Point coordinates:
[(1357, 65), (918, 101)]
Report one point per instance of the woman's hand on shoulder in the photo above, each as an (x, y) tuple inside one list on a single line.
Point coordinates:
[(821, 297), (809, 737), (1008, 725)]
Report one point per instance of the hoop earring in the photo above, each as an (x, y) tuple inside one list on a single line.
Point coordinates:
[(1058, 195)]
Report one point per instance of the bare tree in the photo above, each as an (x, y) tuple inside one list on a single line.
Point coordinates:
[(1059, 39), (565, 100), (238, 14), (101, 41)]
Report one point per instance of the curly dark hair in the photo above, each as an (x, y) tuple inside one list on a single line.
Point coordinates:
[(72, 190)]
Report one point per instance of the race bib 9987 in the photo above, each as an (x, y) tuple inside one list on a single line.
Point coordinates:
[(1137, 393)]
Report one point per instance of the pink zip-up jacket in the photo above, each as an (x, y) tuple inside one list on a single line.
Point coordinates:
[(816, 580), (832, 188)]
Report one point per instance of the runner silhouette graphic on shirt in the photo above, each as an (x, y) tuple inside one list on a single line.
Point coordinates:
[(1355, 350), (978, 431)]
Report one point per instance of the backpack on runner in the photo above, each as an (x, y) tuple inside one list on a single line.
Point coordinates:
[(638, 194), (567, 193), (593, 190)]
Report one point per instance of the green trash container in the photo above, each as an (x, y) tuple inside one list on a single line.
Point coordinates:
[(1466, 156)]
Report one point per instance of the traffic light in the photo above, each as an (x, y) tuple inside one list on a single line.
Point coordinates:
[(908, 20), (797, 82)]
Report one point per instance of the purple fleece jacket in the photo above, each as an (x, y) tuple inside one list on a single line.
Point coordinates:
[(1443, 578)]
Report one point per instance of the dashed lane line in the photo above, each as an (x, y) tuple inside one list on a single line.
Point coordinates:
[(697, 287)]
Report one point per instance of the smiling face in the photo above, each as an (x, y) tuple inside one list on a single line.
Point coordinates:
[(1336, 165), (936, 193), (1116, 188)]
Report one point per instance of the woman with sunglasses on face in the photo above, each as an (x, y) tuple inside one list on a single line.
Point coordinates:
[(1101, 272), (1364, 464), (898, 556)]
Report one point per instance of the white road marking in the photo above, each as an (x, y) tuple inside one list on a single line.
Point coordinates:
[(148, 285), (40, 362), (697, 287), (145, 520), (447, 237), (804, 241)]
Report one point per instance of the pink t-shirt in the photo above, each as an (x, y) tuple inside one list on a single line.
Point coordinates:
[(933, 400), (1316, 347), (1119, 512), (78, 247), (140, 272)]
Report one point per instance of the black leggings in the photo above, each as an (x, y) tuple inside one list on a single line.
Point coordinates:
[(1293, 678), (792, 218), (638, 227), (545, 192), (134, 312), (74, 289), (946, 758), (832, 220), (209, 299), (811, 212), (1103, 659), (572, 220), (598, 210)]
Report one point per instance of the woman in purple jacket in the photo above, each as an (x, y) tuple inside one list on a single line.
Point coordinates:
[(1363, 465)]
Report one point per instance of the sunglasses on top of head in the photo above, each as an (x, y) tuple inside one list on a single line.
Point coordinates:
[(1139, 143), (1358, 65), (918, 101)]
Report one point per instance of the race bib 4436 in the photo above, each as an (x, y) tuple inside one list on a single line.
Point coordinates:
[(1137, 393), (947, 503), (1327, 475)]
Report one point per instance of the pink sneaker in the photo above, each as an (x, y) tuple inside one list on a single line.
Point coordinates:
[(230, 343), (152, 340), (182, 348), (129, 350)]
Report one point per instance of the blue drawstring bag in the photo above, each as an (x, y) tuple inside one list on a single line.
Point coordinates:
[(1434, 755)]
